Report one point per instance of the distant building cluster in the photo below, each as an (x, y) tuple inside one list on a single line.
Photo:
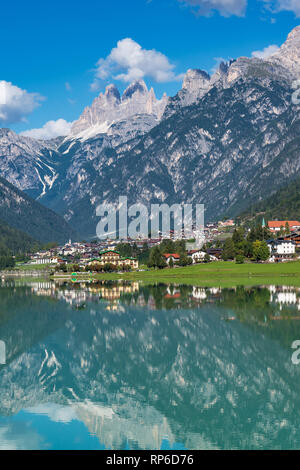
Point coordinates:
[(91, 254), (100, 253), (284, 247), (84, 254)]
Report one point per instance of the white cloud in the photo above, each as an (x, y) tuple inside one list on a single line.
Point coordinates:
[(129, 61), (224, 7), (68, 86), (50, 130), (289, 5), (238, 7), (16, 103), (284, 5), (266, 52)]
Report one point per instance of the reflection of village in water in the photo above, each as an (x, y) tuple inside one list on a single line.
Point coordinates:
[(141, 364), (283, 301)]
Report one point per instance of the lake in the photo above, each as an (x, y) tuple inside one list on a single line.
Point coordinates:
[(114, 365)]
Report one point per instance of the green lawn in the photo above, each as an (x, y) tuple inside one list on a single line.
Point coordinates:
[(32, 267), (223, 274)]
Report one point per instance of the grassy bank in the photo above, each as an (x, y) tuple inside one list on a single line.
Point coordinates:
[(224, 274), (32, 267)]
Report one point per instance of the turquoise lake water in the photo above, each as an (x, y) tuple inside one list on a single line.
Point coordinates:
[(122, 366)]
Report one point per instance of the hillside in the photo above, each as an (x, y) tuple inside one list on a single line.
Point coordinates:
[(284, 204), (13, 241), (21, 212)]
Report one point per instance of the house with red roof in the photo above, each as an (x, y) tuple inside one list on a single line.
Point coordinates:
[(276, 225), (174, 256)]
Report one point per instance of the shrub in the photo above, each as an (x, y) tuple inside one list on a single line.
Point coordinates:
[(240, 259)]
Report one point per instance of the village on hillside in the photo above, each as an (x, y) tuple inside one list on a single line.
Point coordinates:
[(274, 241)]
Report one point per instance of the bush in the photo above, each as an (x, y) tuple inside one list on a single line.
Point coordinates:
[(109, 268), (6, 262), (240, 259), (206, 258), (62, 267)]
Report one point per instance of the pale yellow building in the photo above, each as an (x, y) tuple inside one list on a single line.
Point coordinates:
[(114, 257)]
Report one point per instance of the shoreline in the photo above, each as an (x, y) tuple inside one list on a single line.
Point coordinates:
[(215, 274)]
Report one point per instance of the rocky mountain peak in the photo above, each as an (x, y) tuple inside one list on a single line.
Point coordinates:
[(109, 109), (5, 132), (138, 86), (11, 138), (224, 66), (112, 91), (196, 84), (295, 33), (195, 78), (288, 55)]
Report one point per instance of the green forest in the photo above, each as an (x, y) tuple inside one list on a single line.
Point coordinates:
[(282, 205), (13, 242)]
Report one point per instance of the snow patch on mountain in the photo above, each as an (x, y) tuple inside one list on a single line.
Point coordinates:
[(110, 108)]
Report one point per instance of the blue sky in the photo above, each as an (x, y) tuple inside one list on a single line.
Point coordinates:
[(50, 49)]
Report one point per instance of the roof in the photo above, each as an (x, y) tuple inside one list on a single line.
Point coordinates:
[(108, 251), (282, 223), (174, 255), (280, 242), (292, 235)]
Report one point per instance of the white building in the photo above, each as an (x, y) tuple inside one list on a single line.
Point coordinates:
[(281, 249), (198, 256), (44, 260)]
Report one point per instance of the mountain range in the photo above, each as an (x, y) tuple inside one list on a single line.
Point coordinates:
[(226, 140)]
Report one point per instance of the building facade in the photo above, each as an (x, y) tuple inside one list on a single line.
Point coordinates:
[(277, 225), (113, 257), (281, 250)]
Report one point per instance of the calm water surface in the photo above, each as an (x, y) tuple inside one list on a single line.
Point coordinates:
[(122, 366)]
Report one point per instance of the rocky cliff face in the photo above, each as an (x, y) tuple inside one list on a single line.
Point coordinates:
[(27, 163), (137, 109), (195, 85), (224, 140), (288, 55)]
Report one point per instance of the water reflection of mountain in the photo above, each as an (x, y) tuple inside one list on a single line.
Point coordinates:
[(193, 374)]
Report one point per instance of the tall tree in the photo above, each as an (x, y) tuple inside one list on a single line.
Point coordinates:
[(229, 250), (156, 259)]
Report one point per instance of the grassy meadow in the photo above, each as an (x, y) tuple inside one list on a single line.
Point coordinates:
[(222, 273)]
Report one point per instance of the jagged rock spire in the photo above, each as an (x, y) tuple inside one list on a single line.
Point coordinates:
[(110, 107)]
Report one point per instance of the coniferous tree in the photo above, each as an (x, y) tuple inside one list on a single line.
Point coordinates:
[(229, 250), (156, 259)]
